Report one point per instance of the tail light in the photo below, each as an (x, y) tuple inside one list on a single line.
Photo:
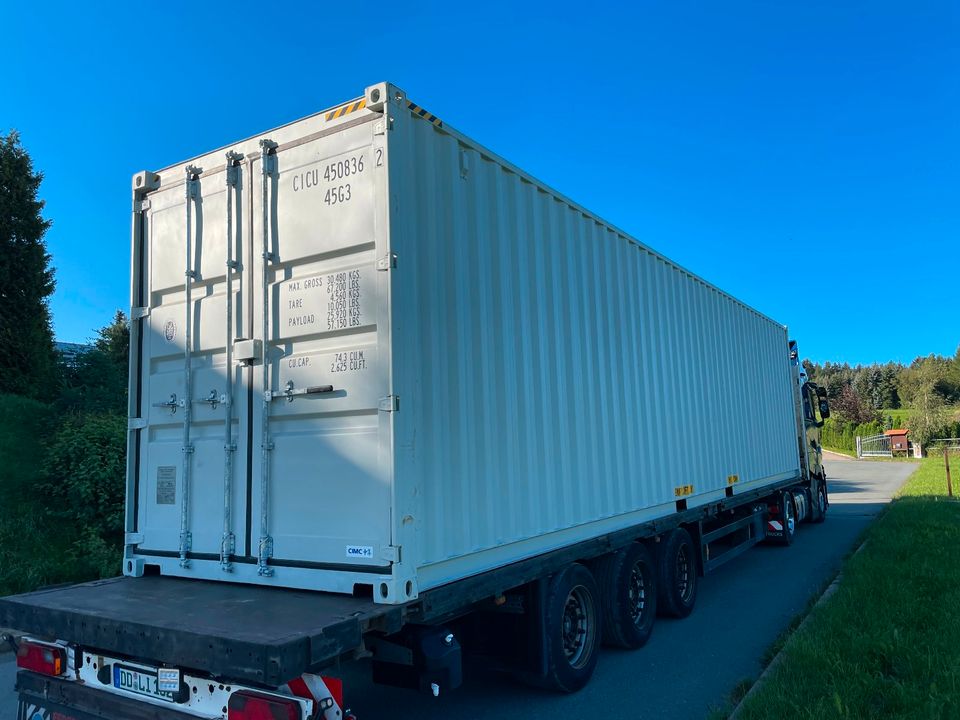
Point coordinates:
[(42, 658), (249, 705)]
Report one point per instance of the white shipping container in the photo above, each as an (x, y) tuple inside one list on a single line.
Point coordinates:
[(434, 366)]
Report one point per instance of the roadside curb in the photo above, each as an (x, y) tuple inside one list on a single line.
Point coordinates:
[(840, 455), (778, 658)]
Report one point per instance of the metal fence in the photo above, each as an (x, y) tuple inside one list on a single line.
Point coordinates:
[(941, 443), (874, 446)]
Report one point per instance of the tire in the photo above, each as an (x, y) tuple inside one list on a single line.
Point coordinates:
[(677, 574), (788, 517), (573, 628), (628, 594), (820, 503)]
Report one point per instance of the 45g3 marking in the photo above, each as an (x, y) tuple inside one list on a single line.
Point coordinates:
[(338, 195)]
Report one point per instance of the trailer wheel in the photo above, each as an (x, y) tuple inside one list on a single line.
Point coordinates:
[(677, 579), (573, 629), (820, 503), (628, 595)]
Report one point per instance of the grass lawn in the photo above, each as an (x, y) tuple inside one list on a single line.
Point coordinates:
[(901, 416), (886, 644)]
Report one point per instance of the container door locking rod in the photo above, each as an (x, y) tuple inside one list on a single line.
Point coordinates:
[(191, 195), (290, 392), (228, 542), (265, 548)]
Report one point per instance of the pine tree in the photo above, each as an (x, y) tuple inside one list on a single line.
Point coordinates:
[(28, 361)]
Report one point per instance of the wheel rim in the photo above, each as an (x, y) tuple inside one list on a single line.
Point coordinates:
[(578, 626), (822, 500), (637, 595), (684, 581), (788, 514)]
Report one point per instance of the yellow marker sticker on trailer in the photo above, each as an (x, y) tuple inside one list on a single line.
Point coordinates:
[(420, 112), (346, 109), (733, 479), (683, 490)]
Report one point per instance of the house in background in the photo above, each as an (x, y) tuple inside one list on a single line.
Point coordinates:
[(70, 352)]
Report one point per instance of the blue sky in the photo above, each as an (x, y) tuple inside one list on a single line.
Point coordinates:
[(804, 156)]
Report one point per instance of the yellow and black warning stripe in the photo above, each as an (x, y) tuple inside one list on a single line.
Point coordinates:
[(420, 112), (346, 109)]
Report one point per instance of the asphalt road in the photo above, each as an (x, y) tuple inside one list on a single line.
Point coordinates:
[(8, 698), (689, 666)]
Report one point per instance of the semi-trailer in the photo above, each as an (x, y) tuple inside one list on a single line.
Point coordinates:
[(392, 398)]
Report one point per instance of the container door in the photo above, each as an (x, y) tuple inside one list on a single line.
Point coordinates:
[(191, 491), (321, 456)]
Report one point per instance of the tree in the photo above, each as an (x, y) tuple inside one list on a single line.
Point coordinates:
[(84, 489), (27, 356), (929, 418), (934, 369), (851, 406), (887, 396), (866, 384), (97, 382), (85, 460)]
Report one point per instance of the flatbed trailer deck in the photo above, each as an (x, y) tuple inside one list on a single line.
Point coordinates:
[(260, 635)]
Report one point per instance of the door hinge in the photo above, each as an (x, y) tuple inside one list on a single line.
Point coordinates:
[(391, 403), (140, 205), (138, 313), (132, 538), (391, 553), (136, 423), (387, 262)]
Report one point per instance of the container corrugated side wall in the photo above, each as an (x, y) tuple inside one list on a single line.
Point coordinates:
[(558, 379)]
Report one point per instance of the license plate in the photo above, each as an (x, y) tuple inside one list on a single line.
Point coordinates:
[(138, 681)]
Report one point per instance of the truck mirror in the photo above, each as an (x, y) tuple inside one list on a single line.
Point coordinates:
[(821, 393), (824, 409)]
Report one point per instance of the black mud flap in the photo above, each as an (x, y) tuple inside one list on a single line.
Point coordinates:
[(35, 709)]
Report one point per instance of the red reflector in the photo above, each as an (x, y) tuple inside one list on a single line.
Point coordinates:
[(45, 659), (249, 705)]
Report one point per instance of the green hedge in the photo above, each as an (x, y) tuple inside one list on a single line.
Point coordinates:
[(840, 434)]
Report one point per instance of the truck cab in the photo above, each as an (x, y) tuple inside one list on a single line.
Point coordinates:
[(816, 409)]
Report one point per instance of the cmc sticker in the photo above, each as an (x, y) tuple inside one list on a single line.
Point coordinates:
[(170, 330), (360, 551)]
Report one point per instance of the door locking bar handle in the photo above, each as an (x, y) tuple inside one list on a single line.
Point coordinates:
[(290, 392), (172, 404), (214, 399)]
